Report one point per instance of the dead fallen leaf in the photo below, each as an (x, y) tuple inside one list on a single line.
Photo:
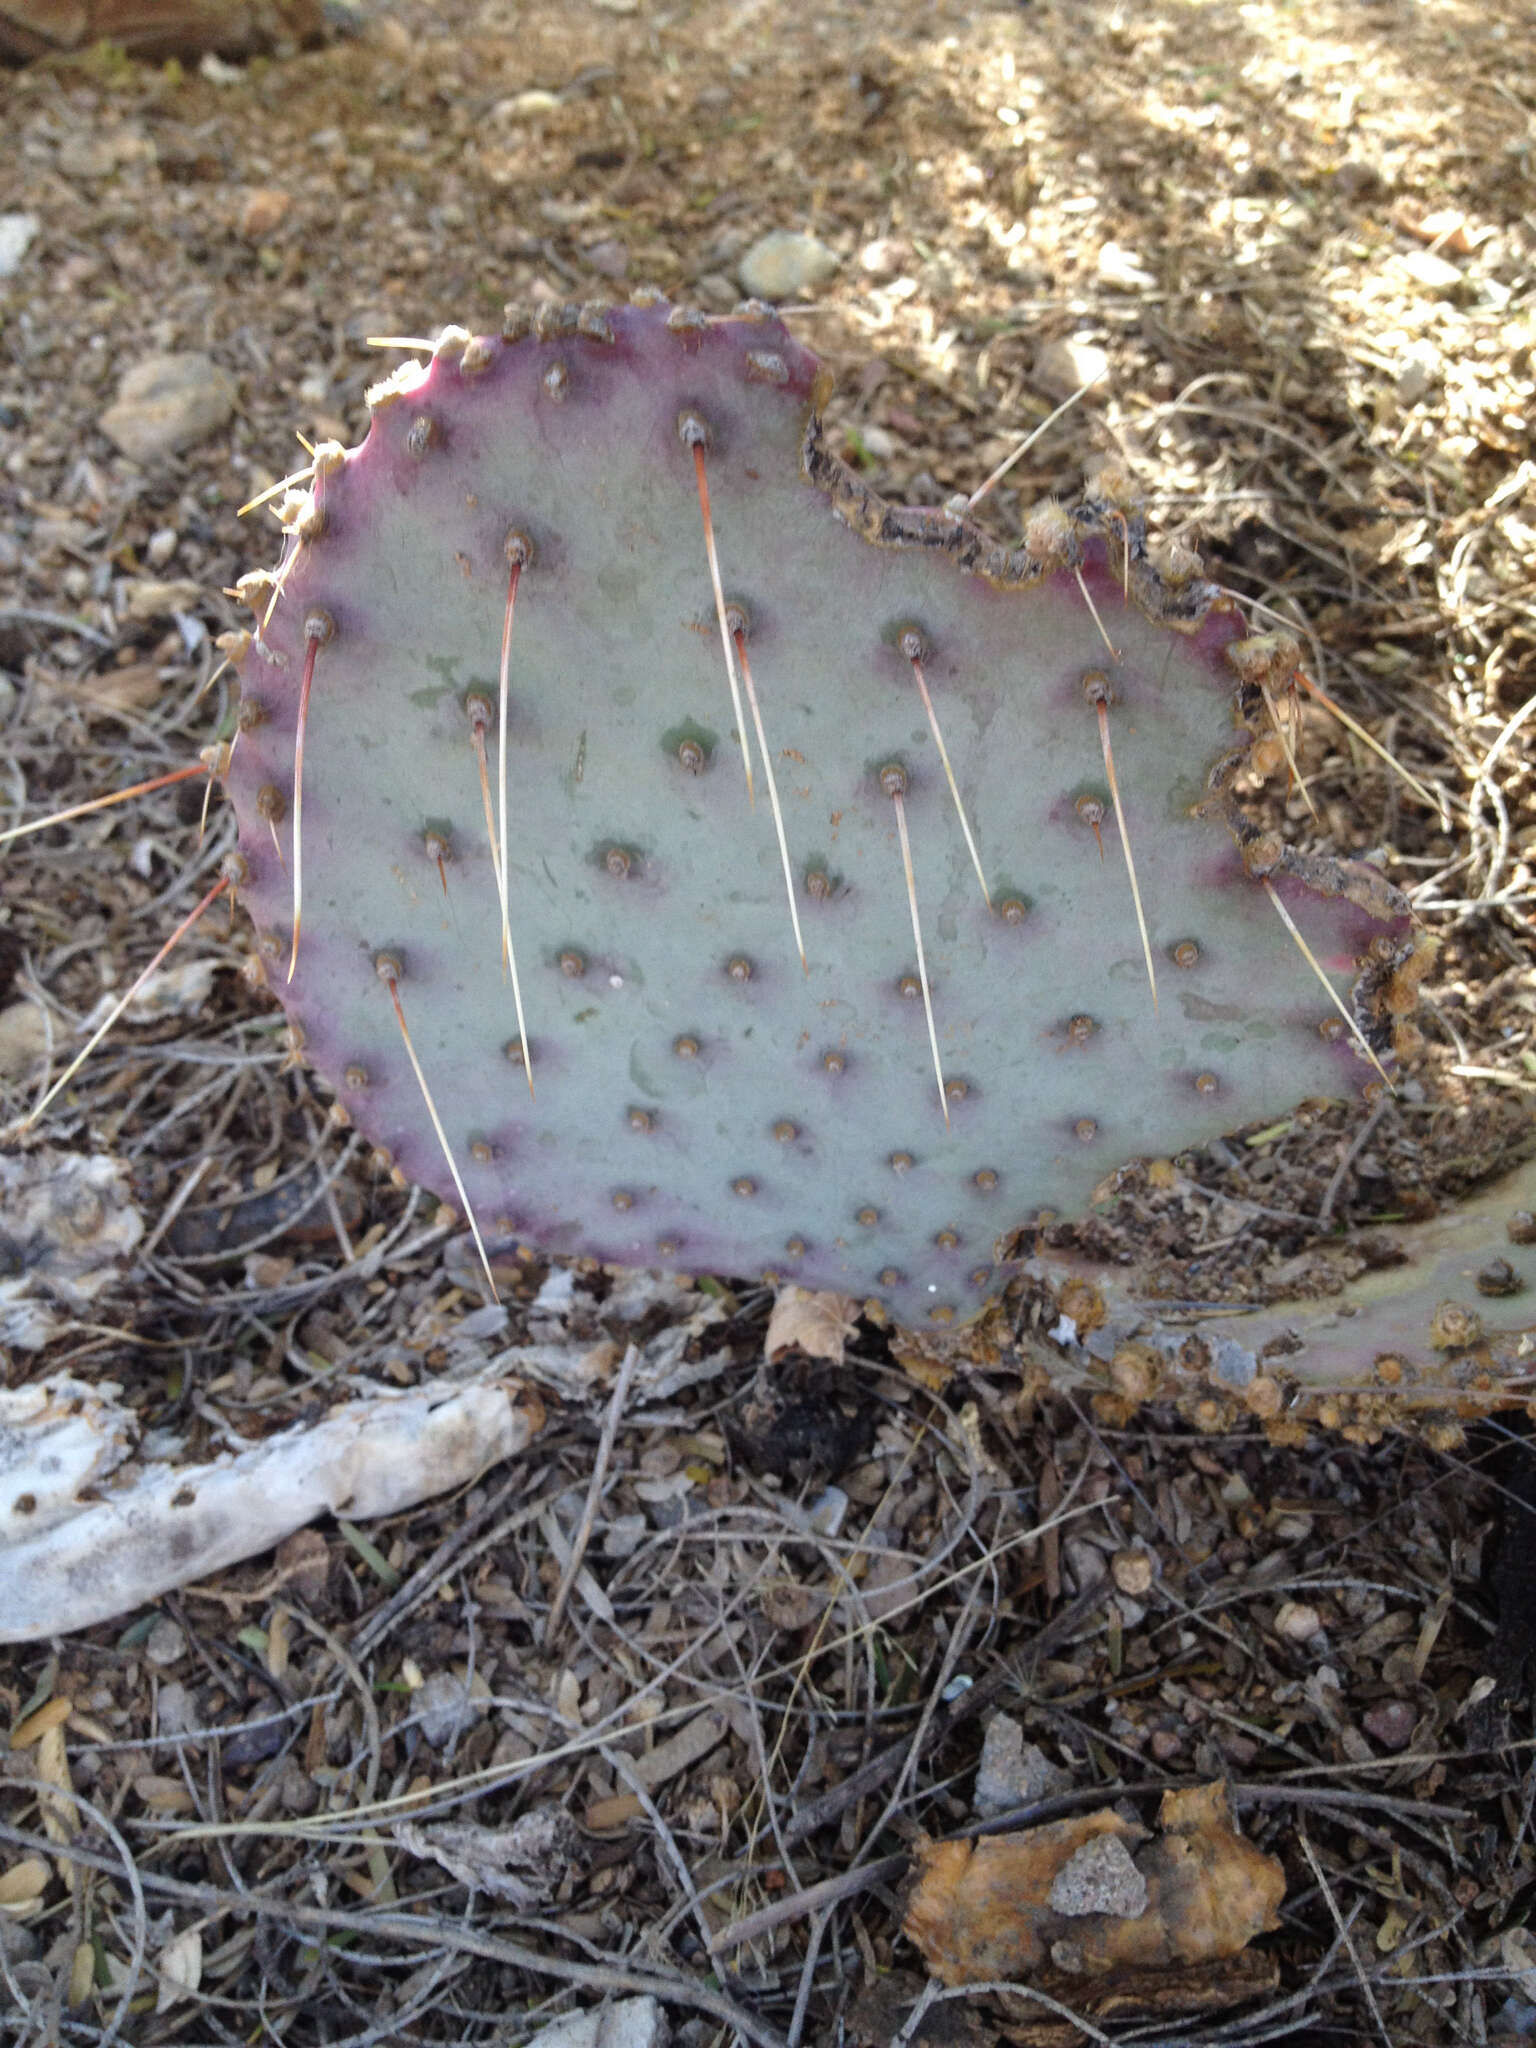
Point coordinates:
[(817, 1324), (523, 1863), (132, 688), (180, 1966), (993, 1908)]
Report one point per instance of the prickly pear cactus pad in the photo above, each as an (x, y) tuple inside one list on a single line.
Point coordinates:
[(973, 1035)]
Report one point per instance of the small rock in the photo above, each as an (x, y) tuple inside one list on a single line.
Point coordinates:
[(1297, 1622), (1122, 270), (609, 259), (887, 257), (1085, 1561), (525, 106), (877, 442), (1234, 1365), (627, 2023), (445, 1708), (1131, 1571), (1391, 1723), (712, 99), (263, 212), (16, 233), (175, 1710), (1431, 273), (785, 263), (1013, 1772), (1099, 1878), (1418, 372), (718, 291), (160, 546), (624, 1536), (87, 156), (1062, 367), (24, 1039), (823, 1516), (166, 1643), (167, 403)]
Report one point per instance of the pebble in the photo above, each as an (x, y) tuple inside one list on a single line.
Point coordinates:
[(167, 403), (625, 2023), (1297, 1621), (525, 106), (166, 1643), (16, 233), (1099, 1878), (1431, 273), (25, 1036), (1013, 1772), (1391, 1723), (716, 290), (1123, 270), (263, 212), (609, 259), (1418, 372), (877, 442), (176, 1710), (887, 257), (785, 263), (160, 546), (624, 1536), (1062, 367), (1132, 1571)]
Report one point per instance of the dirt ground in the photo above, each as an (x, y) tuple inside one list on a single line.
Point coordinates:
[(1299, 243)]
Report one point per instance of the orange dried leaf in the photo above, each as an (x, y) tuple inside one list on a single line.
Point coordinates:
[(1063, 1895)]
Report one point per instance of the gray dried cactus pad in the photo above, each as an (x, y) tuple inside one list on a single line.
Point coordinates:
[(700, 1101)]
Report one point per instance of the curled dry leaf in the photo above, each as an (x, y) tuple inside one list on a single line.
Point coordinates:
[(991, 1908), (524, 1863), (179, 1967), (817, 1324)]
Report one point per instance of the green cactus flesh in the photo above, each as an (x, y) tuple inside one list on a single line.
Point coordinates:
[(1443, 1318), (700, 1101)]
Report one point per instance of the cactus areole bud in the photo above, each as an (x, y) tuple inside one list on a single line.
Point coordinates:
[(513, 602)]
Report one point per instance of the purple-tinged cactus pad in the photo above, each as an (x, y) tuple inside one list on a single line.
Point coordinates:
[(702, 1102)]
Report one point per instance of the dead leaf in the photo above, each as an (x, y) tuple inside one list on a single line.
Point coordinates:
[(144, 598), (133, 688), (1016, 1905), (180, 1965), (817, 1324), (523, 1864)]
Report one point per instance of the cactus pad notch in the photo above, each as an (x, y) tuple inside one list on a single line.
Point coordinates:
[(913, 698)]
